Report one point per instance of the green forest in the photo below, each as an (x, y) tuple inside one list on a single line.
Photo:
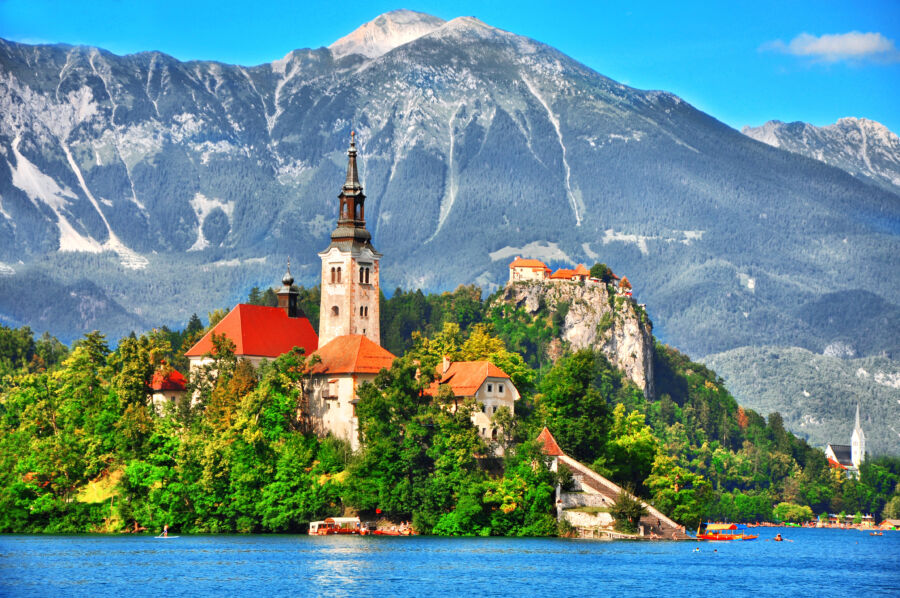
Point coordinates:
[(83, 450)]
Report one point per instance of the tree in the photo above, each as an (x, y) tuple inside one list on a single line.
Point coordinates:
[(602, 272), (572, 402), (627, 511), (892, 508)]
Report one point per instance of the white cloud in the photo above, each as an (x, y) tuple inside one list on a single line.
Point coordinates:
[(838, 46)]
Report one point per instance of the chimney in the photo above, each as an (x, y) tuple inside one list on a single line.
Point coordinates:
[(445, 364)]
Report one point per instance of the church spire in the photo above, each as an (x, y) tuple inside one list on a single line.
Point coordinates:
[(351, 224), (351, 184), (857, 443)]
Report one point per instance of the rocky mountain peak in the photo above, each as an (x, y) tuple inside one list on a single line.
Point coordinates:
[(386, 32), (865, 148)]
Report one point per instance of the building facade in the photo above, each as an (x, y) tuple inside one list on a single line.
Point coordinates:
[(528, 269), (483, 381)]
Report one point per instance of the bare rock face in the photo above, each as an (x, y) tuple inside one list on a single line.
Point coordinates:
[(597, 318)]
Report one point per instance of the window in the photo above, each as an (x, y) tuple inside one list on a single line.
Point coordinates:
[(500, 388), (483, 408), (494, 434), (490, 388), (483, 431), (361, 277), (339, 274), (335, 311), (360, 311), (333, 279), (367, 276), (494, 409)]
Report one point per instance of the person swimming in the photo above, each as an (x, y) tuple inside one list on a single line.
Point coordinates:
[(778, 538)]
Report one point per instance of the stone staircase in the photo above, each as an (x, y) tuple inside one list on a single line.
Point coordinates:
[(597, 491)]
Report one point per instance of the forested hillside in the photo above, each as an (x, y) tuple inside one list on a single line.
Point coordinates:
[(818, 394), (81, 449)]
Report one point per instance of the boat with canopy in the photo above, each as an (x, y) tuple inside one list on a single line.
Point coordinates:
[(723, 532)]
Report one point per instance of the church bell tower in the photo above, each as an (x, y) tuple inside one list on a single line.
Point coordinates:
[(350, 285), (857, 443)]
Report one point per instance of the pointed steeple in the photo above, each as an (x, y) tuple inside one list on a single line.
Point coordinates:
[(857, 443), (351, 224), (351, 184)]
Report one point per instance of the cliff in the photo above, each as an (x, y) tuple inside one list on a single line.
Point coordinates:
[(595, 317)]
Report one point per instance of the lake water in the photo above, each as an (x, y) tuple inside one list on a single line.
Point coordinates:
[(814, 563)]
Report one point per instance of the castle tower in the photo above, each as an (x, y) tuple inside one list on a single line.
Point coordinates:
[(350, 290), (857, 443)]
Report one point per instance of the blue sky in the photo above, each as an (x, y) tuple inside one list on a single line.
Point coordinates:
[(743, 62)]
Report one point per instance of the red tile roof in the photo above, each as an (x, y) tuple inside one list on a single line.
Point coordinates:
[(352, 354), (563, 274), (624, 283), (581, 270), (260, 331), (528, 263), (466, 377), (550, 447), (171, 381)]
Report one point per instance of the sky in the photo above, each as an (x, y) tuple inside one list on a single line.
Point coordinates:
[(743, 62)]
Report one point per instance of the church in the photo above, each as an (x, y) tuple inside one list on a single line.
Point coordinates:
[(849, 457), (348, 344)]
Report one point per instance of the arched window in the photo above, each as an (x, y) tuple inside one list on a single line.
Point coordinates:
[(361, 269), (339, 274), (367, 276), (494, 434), (335, 311), (360, 311), (367, 311), (332, 276)]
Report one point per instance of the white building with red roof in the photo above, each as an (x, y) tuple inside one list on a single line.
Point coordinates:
[(166, 387), (346, 362), (483, 381), (528, 269)]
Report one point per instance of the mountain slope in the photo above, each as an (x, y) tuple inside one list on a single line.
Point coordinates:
[(174, 187), (862, 147), (817, 394)]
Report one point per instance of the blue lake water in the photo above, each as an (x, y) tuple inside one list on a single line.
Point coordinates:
[(814, 563)]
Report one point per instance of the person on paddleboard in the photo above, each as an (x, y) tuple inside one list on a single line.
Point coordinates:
[(165, 531)]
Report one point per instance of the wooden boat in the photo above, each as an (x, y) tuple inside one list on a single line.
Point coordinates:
[(333, 526), (724, 532), (408, 531)]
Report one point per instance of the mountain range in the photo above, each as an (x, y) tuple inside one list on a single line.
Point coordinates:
[(136, 190)]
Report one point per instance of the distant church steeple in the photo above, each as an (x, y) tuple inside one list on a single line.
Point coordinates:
[(350, 272), (857, 443)]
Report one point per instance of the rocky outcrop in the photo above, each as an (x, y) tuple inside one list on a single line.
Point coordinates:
[(595, 317)]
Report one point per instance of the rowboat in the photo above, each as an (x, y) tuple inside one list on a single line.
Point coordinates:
[(723, 532)]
